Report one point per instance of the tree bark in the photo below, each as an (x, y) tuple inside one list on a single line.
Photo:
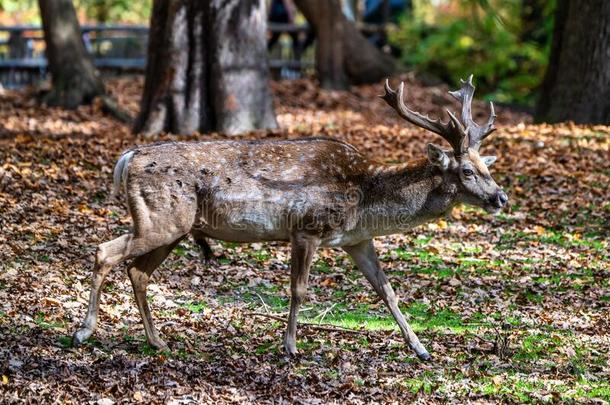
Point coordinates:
[(74, 78), (577, 82), (207, 68), (343, 54)]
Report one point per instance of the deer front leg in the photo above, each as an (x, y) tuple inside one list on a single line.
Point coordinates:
[(303, 248), (365, 258)]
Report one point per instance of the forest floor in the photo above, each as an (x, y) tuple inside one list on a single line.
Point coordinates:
[(513, 307)]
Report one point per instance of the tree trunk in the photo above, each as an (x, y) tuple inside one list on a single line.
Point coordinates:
[(207, 68), (343, 54), (577, 82), (74, 78)]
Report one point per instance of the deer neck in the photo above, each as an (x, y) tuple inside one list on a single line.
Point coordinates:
[(400, 197)]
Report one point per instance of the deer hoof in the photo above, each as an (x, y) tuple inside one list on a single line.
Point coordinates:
[(159, 345), (80, 336), (291, 348), (424, 356)]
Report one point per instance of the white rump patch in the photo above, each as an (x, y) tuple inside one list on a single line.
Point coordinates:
[(120, 172)]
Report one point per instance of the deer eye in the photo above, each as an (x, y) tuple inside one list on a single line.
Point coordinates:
[(467, 172)]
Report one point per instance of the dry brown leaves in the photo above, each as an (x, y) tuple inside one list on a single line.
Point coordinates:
[(545, 262)]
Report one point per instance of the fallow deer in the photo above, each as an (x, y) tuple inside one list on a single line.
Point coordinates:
[(312, 192)]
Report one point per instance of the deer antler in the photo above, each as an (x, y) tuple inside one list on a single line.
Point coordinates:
[(461, 135), (452, 131), (476, 133)]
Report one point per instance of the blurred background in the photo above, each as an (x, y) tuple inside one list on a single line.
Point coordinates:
[(505, 44)]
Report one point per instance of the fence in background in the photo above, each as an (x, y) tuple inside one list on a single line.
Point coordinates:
[(117, 49)]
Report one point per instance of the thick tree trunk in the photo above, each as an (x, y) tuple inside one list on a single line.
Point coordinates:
[(207, 68), (343, 54), (74, 78), (577, 83)]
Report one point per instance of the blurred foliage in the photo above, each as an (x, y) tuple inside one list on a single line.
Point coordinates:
[(92, 11), (124, 11), (19, 12), (452, 39)]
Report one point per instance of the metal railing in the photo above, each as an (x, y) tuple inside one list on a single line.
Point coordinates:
[(114, 49)]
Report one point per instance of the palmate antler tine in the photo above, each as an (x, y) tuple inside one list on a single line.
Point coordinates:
[(464, 95), (452, 131), (475, 132), (481, 132)]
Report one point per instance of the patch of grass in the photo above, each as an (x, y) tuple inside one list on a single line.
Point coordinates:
[(270, 297), (538, 345), (320, 266), (424, 384), (566, 240), (423, 317), (260, 255), (65, 341), (268, 347), (181, 250), (228, 245), (147, 350), (357, 320), (362, 316), (44, 258), (339, 294), (40, 320), (109, 287), (422, 240), (508, 386), (307, 345), (195, 307)]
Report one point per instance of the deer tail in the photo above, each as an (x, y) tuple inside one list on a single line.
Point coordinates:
[(120, 172)]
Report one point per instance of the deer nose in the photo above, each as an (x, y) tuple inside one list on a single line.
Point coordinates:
[(500, 199)]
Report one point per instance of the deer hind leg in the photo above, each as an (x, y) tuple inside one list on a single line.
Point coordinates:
[(365, 258), (107, 256), (139, 273), (302, 251)]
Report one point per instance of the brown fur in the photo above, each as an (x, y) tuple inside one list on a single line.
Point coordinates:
[(312, 192)]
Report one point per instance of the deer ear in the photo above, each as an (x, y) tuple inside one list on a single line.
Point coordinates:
[(437, 156), (488, 160)]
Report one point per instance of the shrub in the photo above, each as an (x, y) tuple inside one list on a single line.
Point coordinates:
[(458, 42)]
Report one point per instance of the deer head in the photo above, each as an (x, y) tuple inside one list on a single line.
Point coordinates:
[(463, 166)]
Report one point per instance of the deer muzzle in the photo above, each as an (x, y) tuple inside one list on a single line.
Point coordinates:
[(500, 199)]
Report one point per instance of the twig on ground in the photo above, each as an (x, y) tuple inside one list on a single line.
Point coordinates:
[(326, 311)]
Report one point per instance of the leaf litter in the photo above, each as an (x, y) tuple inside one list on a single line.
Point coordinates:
[(514, 307)]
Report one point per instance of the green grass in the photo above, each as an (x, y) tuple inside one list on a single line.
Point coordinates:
[(269, 347), (567, 240), (41, 320), (363, 317), (320, 266), (260, 255), (65, 341), (195, 307), (508, 386)]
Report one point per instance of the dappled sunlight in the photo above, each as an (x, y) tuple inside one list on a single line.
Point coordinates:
[(534, 275)]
